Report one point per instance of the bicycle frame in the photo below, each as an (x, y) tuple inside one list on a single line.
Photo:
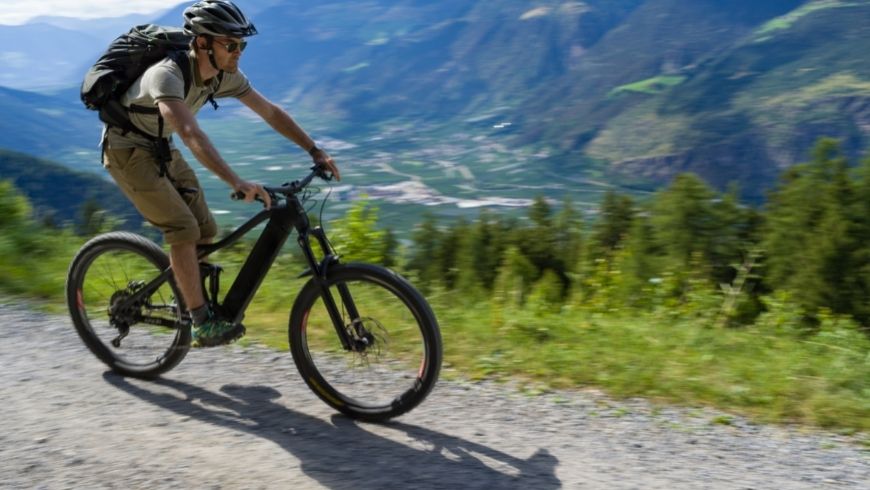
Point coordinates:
[(282, 219)]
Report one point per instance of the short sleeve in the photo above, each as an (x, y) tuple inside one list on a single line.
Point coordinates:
[(234, 85), (165, 82)]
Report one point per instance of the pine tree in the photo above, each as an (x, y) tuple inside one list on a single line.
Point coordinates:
[(469, 253), (450, 253), (861, 230), (426, 239), (92, 218), (516, 275), (639, 262), (685, 220), (828, 278), (614, 222), (539, 242), (568, 226), (809, 239)]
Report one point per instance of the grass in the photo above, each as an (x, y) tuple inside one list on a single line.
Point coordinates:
[(764, 371), (759, 371), (784, 22), (767, 371), (836, 85), (650, 86), (640, 132)]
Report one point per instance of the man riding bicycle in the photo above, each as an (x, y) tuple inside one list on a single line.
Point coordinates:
[(167, 193)]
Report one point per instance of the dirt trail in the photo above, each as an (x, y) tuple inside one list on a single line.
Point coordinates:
[(242, 418)]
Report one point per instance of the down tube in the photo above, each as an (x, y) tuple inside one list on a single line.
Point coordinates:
[(257, 265)]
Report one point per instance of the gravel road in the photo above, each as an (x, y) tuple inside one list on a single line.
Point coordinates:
[(240, 417)]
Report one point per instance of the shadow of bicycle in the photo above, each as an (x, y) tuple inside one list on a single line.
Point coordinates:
[(340, 453)]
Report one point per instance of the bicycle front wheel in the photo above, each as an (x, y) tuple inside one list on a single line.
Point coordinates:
[(143, 340), (394, 355)]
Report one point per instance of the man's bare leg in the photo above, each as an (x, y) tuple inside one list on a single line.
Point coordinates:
[(185, 267), (208, 330)]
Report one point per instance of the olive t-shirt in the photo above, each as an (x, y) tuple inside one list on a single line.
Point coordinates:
[(164, 81)]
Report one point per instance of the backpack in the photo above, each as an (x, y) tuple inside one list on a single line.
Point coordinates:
[(125, 60)]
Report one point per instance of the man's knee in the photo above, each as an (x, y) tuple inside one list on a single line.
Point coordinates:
[(208, 230), (182, 233)]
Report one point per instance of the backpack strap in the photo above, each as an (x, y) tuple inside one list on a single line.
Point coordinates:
[(162, 150), (210, 99), (161, 144), (182, 59)]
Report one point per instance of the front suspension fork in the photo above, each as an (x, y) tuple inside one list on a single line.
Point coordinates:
[(352, 335)]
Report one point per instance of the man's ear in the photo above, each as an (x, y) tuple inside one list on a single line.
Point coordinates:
[(201, 43)]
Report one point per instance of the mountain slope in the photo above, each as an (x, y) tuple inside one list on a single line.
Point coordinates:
[(660, 38), (419, 59), (60, 192), (46, 125), (625, 91), (755, 108), (36, 56)]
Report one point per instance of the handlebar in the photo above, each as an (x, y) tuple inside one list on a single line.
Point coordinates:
[(289, 189)]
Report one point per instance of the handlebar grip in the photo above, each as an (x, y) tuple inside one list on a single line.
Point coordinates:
[(240, 196), (323, 172)]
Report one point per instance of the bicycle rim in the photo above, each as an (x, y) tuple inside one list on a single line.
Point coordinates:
[(394, 361), (126, 341)]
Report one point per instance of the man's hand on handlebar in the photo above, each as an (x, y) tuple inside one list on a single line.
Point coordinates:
[(252, 191), (323, 160)]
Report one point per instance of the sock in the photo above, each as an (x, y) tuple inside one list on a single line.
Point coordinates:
[(200, 315)]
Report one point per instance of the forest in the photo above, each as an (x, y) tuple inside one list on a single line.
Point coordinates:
[(687, 246)]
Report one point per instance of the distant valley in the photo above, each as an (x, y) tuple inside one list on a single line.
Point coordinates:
[(448, 106)]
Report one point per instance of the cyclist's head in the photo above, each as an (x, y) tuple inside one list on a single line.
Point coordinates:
[(217, 18)]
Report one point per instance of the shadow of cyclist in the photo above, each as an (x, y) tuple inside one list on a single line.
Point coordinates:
[(351, 457)]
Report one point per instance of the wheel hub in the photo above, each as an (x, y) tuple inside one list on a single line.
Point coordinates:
[(121, 319)]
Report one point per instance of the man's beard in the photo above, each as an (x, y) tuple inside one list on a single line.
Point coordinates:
[(231, 67)]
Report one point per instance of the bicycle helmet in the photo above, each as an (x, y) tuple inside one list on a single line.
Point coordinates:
[(217, 18)]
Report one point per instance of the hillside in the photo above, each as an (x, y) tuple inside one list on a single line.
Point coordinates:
[(416, 59), (59, 192), (41, 55), (622, 92), (756, 108), (47, 126), (576, 81)]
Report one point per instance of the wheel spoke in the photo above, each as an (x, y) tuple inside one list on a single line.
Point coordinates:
[(108, 273), (390, 343)]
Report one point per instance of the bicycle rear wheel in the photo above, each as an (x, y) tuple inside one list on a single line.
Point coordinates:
[(396, 354), (147, 338)]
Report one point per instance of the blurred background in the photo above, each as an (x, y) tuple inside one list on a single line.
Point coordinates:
[(488, 103)]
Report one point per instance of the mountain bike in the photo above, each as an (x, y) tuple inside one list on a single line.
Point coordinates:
[(363, 338)]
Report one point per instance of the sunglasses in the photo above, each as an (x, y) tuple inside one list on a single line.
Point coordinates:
[(231, 47)]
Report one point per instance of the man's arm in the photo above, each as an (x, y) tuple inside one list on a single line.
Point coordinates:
[(179, 116), (284, 124)]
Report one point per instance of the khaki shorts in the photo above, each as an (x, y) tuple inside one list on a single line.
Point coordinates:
[(182, 218)]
